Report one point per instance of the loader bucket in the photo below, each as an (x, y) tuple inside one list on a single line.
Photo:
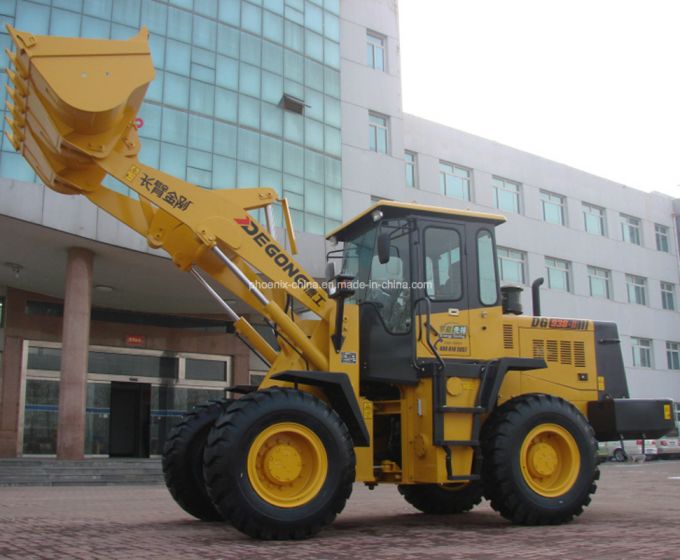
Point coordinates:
[(74, 101)]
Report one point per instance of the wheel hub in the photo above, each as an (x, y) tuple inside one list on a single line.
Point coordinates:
[(550, 460), (543, 460), (282, 464), (287, 464)]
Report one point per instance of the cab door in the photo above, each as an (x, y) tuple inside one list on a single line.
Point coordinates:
[(441, 309)]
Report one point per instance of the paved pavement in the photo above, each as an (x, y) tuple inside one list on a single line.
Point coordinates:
[(635, 514)]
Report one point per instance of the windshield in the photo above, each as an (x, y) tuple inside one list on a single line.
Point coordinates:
[(386, 285)]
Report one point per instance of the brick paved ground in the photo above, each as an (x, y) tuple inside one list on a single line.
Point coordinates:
[(635, 514)]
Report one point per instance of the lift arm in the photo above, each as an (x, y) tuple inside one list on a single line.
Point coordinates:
[(73, 108)]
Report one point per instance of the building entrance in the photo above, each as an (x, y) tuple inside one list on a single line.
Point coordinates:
[(129, 425)]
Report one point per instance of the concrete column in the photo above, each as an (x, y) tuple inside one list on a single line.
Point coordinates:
[(11, 400), (75, 342)]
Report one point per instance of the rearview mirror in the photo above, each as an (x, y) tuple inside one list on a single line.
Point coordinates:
[(384, 248)]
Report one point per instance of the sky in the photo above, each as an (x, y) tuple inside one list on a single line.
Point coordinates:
[(594, 84)]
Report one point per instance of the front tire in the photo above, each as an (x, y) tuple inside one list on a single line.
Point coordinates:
[(443, 499), (540, 460), (183, 459), (279, 464)]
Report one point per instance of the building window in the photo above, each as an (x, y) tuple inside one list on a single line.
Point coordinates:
[(377, 133), (642, 352), (512, 265), (600, 282), (593, 219), (454, 181), (661, 238), (375, 50), (411, 168), (558, 274), (636, 287), (673, 355), (631, 229), (668, 296), (553, 209), (506, 195)]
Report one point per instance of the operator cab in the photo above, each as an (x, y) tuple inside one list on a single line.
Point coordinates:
[(411, 264)]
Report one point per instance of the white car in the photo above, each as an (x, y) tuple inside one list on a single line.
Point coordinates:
[(668, 446), (631, 450)]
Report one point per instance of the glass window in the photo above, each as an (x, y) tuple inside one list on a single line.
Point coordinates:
[(249, 111), (249, 80), (200, 133), (174, 159), (251, 18), (668, 296), (454, 181), (293, 36), (272, 27), (46, 359), (558, 272), (661, 233), (227, 72), (375, 50), (443, 268), (41, 416), (389, 283), (512, 265), (631, 229), (314, 45), (642, 352), (673, 355), (411, 166), (230, 11), (553, 208), (176, 91), (179, 25), (593, 219), (272, 119), (377, 133), (206, 370), (506, 195), (331, 26), (155, 16), (228, 40), (174, 126), (202, 97), (314, 134), (226, 103), (599, 280), (205, 33), (111, 363), (636, 286), (248, 146), (488, 286), (271, 152)]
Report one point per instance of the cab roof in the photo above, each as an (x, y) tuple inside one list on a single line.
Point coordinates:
[(391, 209)]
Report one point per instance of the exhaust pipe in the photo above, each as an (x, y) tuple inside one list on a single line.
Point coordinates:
[(536, 296)]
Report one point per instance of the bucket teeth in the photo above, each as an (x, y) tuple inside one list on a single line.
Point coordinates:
[(18, 82)]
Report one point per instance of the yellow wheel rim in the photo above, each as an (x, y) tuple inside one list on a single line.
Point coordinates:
[(550, 460), (287, 464)]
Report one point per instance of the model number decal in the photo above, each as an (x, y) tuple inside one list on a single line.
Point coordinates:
[(550, 323)]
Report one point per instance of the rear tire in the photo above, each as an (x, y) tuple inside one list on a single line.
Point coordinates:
[(279, 464), (443, 499), (183, 459), (540, 460)]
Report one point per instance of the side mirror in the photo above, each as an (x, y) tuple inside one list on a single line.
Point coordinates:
[(384, 248), (330, 270)]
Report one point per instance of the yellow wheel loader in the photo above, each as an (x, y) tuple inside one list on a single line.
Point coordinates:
[(411, 366)]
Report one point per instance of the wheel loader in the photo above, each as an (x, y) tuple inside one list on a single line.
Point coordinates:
[(409, 366)]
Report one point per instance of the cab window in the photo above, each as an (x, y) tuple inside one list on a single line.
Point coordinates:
[(443, 270)]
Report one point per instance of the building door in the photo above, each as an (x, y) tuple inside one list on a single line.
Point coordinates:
[(130, 419)]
